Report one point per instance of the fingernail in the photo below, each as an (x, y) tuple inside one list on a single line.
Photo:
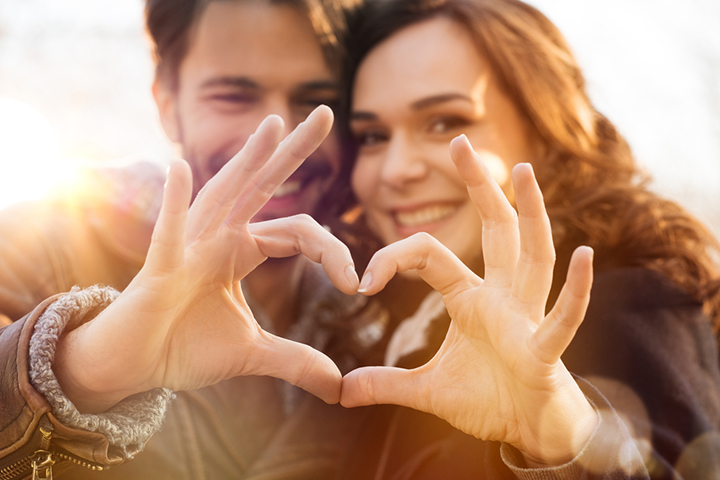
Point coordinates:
[(351, 275), (366, 282)]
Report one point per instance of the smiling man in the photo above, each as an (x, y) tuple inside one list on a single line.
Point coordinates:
[(243, 61), (221, 68)]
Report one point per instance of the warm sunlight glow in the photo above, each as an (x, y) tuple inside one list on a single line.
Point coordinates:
[(30, 160)]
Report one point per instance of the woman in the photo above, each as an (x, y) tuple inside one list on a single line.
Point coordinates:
[(425, 71)]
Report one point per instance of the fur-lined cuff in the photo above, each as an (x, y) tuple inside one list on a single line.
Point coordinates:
[(130, 423)]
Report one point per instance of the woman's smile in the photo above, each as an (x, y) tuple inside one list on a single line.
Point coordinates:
[(424, 216)]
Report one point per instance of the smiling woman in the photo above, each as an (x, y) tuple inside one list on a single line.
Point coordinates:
[(29, 153), (435, 89)]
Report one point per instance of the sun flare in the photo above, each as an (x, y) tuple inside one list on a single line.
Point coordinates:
[(30, 160)]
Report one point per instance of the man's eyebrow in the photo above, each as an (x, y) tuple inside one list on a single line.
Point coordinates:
[(435, 99), (241, 82), (360, 116), (318, 85), (248, 83)]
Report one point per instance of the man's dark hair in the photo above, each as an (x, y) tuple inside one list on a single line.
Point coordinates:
[(169, 23)]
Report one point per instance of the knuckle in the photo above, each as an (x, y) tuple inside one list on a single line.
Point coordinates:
[(369, 385), (302, 222), (539, 257), (304, 371), (424, 239)]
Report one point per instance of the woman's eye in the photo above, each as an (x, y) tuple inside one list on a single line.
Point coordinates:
[(447, 124), (370, 138)]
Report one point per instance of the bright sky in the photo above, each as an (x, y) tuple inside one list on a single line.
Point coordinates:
[(79, 74)]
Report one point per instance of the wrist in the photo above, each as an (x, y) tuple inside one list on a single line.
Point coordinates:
[(72, 368), (565, 443)]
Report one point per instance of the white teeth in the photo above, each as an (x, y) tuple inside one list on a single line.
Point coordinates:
[(287, 188), (424, 216)]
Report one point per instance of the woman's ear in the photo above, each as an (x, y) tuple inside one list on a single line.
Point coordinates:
[(166, 101)]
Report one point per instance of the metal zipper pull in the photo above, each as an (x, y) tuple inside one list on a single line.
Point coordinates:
[(46, 433), (42, 465)]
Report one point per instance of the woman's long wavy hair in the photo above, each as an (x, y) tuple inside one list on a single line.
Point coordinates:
[(594, 193)]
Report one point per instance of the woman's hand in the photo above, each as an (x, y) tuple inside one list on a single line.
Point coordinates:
[(183, 323), (498, 374)]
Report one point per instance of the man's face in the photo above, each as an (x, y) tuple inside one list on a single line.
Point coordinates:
[(245, 61)]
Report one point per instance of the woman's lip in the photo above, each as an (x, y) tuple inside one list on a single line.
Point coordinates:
[(423, 217)]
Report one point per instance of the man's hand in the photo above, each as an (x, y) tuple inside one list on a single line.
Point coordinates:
[(183, 323), (498, 374)]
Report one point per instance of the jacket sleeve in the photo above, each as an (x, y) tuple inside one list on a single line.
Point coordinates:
[(39, 422), (28, 425)]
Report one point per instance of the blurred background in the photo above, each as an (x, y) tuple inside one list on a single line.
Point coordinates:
[(75, 79)]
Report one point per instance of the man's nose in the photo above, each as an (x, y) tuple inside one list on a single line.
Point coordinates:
[(282, 108), (404, 162)]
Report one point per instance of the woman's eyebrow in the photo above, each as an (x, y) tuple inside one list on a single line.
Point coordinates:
[(435, 99), (416, 105)]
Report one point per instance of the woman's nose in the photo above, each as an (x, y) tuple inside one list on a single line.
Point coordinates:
[(403, 162)]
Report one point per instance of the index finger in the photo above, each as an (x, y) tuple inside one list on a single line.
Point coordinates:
[(500, 238), (289, 155), (434, 262), (218, 196)]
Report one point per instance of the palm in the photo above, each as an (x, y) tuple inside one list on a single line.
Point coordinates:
[(498, 374), (183, 323), (196, 348)]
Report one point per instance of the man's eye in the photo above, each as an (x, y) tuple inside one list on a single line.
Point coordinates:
[(442, 125), (312, 103), (237, 98)]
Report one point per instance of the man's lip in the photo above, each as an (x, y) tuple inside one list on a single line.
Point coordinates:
[(315, 163), (303, 178), (291, 204), (312, 167)]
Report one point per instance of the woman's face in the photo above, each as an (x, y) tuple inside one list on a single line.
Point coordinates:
[(414, 93)]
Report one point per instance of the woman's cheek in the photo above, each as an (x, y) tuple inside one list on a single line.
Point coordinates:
[(363, 181)]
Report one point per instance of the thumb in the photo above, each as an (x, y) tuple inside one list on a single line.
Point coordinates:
[(300, 365), (167, 248), (384, 385)]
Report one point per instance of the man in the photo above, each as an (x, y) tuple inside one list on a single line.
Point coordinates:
[(222, 67)]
